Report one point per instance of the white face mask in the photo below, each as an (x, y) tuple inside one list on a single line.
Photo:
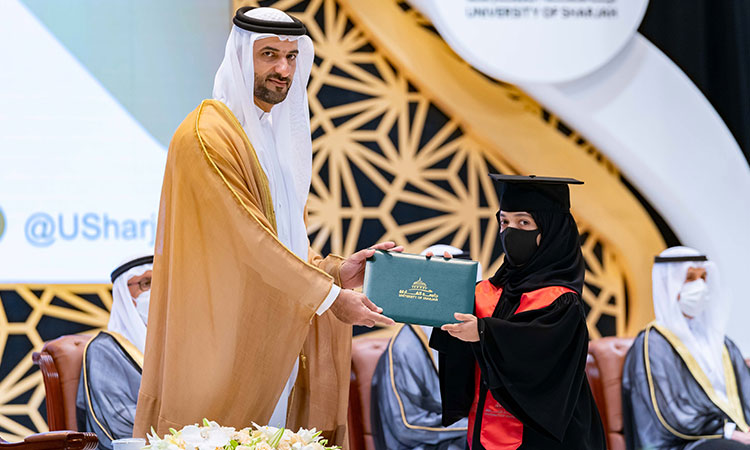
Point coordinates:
[(141, 305), (693, 297)]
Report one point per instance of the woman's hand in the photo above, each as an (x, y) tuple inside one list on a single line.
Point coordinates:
[(466, 330), (446, 255)]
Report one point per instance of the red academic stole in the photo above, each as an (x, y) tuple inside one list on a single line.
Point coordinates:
[(500, 429)]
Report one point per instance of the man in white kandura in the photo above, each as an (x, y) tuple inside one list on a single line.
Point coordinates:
[(113, 359), (247, 322)]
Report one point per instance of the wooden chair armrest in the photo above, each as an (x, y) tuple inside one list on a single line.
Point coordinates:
[(54, 440), (55, 413)]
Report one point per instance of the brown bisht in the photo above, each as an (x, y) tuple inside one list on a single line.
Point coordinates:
[(231, 307)]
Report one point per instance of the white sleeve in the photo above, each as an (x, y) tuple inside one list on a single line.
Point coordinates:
[(729, 428), (332, 294)]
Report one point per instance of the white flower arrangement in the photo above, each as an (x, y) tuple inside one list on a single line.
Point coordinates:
[(212, 436)]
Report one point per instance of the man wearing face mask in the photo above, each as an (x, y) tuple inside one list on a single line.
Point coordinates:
[(685, 384), (113, 360), (516, 367)]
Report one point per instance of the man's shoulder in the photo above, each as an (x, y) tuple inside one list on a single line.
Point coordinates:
[(733, 348), (101, 344), (662, 347), (215, 111), (656, 338), (211, 120)]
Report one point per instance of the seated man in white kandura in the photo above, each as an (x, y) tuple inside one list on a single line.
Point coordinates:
[(685, 384), (113, 360)]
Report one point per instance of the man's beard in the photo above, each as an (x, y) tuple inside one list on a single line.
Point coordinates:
[(270, 96)]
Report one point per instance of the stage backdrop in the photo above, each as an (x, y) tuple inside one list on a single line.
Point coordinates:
[(404, 134)]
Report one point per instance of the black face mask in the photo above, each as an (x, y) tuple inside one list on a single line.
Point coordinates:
[(519, 245)]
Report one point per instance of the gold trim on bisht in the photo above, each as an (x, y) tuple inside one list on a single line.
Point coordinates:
[(732, 408), (423, 339), (258, 172), (129, 348)]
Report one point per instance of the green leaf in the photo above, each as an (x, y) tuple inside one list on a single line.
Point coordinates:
[(277, 438), (206, 423), (173, 431)]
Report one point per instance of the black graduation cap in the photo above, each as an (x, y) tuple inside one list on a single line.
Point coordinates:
[(533, 193), (294, 28), (129, 265)]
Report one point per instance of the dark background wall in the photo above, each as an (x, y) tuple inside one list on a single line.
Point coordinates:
[(710, 41)]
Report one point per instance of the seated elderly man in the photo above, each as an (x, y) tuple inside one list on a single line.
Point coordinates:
[(113, 360), (685, 384)]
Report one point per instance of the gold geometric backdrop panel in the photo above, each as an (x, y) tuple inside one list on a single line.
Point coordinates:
[(509, 125), (390, 165), (29, 316)]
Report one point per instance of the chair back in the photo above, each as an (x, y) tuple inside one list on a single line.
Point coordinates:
[(366, 352), (604, 365), (60, 361)]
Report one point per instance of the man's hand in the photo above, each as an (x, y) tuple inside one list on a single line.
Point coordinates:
[(353, 269), (739, 436), (356, 309), (466, 330)]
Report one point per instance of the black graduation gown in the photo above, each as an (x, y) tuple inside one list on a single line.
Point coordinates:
[(533, 363)]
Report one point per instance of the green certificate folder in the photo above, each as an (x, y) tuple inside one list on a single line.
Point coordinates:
[(414, 289)]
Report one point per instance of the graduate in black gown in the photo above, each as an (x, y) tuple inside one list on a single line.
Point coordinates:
[(516, 367), (685, 384)]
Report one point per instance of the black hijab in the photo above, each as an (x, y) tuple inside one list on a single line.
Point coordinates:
[(558, 260)]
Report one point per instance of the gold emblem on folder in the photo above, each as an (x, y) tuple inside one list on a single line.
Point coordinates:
[(418, 291)]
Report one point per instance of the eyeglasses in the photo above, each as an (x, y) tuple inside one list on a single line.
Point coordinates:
[(144, 284)]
